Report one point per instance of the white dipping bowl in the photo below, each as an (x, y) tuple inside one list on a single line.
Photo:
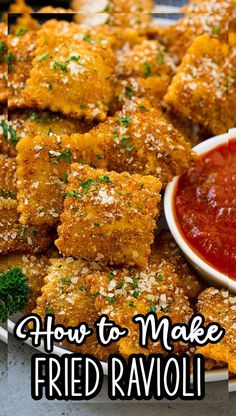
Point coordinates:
[(208, 272)]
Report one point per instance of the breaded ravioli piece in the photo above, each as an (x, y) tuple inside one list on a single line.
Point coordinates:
[(68, 67), (200, 17), (40, 123), (43, 167), (22, 50), (166, 249), (7, 177), (109, 217), (3, 62), (220, 306), (15, 238), (112, 6), (65, 295), (199, 90), (150, 65), (138, 140), (122, 294), (34, 268)]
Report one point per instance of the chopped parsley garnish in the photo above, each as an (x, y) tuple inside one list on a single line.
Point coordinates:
[(233, 76), (125, 146), (3, 48), (86, 185), (153, 308), (34, 117), (82, 289), (49, 311), (66, 280), (96, 224), (99, 156), (64, 178), (216, 30), (83, 106), (142, 108), (21, 31), (87, 38), (7, 194), (160, 58), (111, 299), (129, 92), (104, 178), (66, 155), (21, 232), (10, 59), (111, 275), (120, 285), (14, 290), (131, 304), (74, 58), (160, 277), (73, 194), (13, 137), (125, 121), (147, 69), (60, 65), (164, 308), (43, 57), (50, 130)]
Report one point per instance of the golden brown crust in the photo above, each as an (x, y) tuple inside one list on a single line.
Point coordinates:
[(165, 249), (43, 166), (7, 176), (65, 66), (199, 90), (219, 306), (122, 293), (109, 216), (137, 141), (14, 237), (34, 268), (65, 294)]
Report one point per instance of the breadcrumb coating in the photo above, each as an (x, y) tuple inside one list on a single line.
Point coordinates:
[(220, 306), (67, 67), (66, 296), (109, 217), (3, 63), (14, 237), (122, 294), (138, 140), (22, 50), (199, 90), (43, 168)]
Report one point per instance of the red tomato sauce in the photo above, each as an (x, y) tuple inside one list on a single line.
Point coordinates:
[(205, 207)]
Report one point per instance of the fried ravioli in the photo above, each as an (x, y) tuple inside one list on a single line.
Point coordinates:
[(15, 238), (108, 216), (219, 306), (65, 295), (66, 67), (43, 167), (165, 249), (122, 294), (141, 141), (199, 90)]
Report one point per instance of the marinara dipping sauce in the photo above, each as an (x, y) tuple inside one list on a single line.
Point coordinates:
[(205, 207)]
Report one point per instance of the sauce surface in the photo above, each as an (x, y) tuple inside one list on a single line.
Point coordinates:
[(205, 207)]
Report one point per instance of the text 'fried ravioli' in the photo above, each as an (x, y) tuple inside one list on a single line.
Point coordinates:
[(66, 296), (139, 141), (43, 167), (121, 294), (108, 216)]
